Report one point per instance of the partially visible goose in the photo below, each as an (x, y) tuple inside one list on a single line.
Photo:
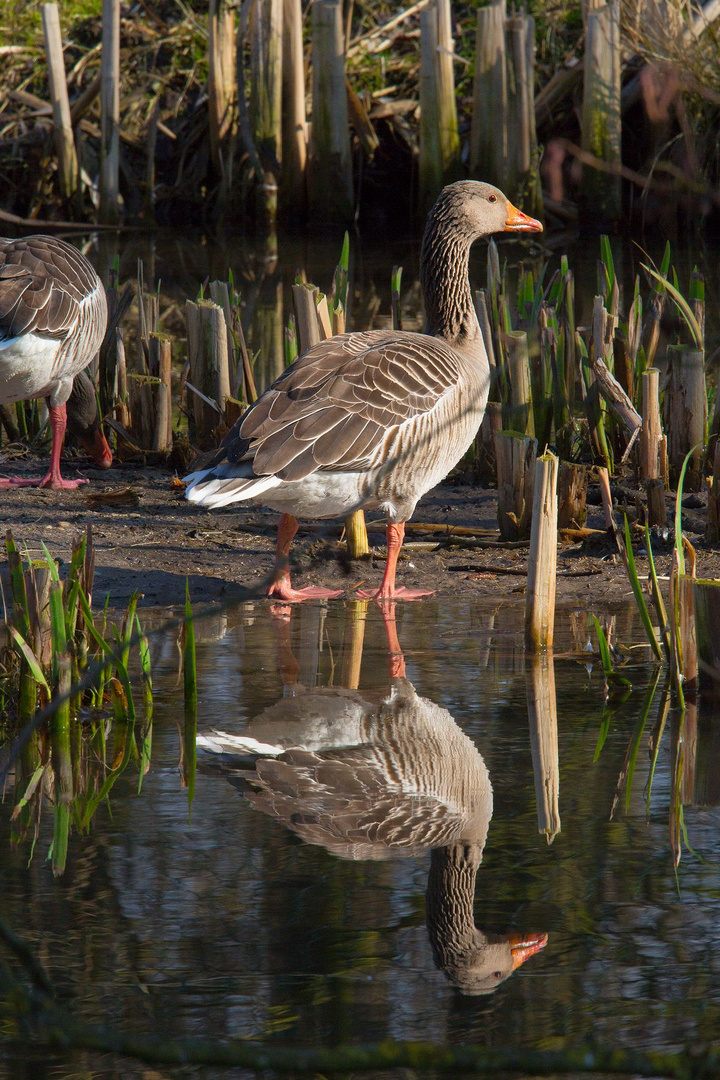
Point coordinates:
[(374, 419), (53, 316), (375, 781)]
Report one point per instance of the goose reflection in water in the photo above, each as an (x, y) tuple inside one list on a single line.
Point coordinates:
[(377, 780)]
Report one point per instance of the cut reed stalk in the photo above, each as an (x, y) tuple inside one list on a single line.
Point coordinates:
[(712, 529), (266, 59), (542, 558), (515, 455), (293, 178), (519, 411), (601, 193), (447, 105), (160, 363), (572, 495), (430, 165), (686, 413), (330, 180), (110, 114), (68, 171), (221, 86), (542, 721), (488, 132)]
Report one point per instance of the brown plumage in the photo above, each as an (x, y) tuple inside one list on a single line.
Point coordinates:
[(373, 419)]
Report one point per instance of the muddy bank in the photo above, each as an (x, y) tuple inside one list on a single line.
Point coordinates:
[(149, 539)]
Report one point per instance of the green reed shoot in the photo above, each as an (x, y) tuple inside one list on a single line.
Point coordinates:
[(395, 283)]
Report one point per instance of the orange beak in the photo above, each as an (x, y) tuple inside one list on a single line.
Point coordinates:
[(523, 946), (98, 449), (519, 222)]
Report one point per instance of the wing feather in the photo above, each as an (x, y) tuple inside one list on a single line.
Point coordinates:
[(334, 407)]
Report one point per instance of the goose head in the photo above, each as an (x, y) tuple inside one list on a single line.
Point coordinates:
[(471, 209), (492, 960), (84, 422)]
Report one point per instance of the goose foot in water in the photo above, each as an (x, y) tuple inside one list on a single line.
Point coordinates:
[(52, 479), (280, 586), (395, 534)]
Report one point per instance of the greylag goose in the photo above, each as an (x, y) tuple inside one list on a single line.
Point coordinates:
[(371, 420), (53, 316), (380, 780)]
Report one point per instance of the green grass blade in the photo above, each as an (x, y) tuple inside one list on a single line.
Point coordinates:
[(30, 658), (638, 593), (681, 304)]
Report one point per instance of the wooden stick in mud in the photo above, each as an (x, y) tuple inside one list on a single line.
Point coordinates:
[(293, 179), (62, 125), (542, 721), (515, 455), (650, 447), (686, 412), (110, 114), (488, 132), (330, 184), (542, 558)]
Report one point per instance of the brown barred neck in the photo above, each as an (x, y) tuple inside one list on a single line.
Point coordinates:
[(449, 309)]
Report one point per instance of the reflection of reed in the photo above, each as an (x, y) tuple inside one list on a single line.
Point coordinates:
[(370, 779), (542, 719)]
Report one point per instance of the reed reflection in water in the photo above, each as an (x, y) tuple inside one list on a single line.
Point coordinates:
[(376, 776)]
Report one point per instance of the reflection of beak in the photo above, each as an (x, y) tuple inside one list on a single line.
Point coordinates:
[(98, 449), (523, 946), (519, 222)]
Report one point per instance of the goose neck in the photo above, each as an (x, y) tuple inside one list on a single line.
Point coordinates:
[(449, 308), (449, 903)]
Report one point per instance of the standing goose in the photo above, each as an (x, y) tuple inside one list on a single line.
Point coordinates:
[(53, 315), (375, 419)]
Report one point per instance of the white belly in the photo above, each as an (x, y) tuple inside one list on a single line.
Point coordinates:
[(320, 495), (26, 367)]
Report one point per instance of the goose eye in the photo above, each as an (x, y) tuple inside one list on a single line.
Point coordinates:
[(492, 198), (496, 974)]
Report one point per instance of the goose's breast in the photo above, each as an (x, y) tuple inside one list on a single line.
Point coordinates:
[(27, 366)]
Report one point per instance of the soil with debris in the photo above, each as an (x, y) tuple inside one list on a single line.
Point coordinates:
[(148, 538)]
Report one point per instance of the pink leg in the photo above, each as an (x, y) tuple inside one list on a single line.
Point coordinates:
[(396, 660), (388, 591), (52, 479), (280, 585)]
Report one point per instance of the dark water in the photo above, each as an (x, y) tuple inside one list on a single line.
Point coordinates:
[(300, 902)]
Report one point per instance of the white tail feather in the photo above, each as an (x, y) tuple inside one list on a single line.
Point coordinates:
[(220, 491)]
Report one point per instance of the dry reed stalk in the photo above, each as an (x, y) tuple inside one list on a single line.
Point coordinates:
[(152, 133), (221, 85), (515, 456), (706, 601), (686, 413), (353, 638), (519, 410), (430, 163), (521, 138), (148, 411), (293, 186), (488, 132), (651, 431), (606, 496), (712, 530), (330, 182), (447, 106), (160, 365), (68, 171), (266, 62), (572, 495), (485, 459), (601, 119), (542, 558), (110, 114), (542, 720)]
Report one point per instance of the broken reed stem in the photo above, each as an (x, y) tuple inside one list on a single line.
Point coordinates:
[(266, 37), (686, 413), (572, 495), (542, 721), (601, 123), (293, 191), (519, 412), (221, 87), (160, 363), (62, 125), (606, 496), (706, 601), (447, 104), (110, 114), (515, 455), (330, 180), (542, 558), (712, 529), (430, 161), (488, 132)]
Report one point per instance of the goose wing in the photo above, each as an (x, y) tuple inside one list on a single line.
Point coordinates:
[(332, 409), (44, 287)]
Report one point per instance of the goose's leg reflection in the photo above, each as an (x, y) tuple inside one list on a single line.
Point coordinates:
[(396, 659)]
